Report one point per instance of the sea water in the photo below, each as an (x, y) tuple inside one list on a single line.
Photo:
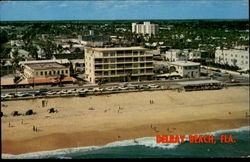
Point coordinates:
[(148, 148)]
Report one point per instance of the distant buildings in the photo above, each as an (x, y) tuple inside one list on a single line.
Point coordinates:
[(233, 57), (145, 28), (187, 69), (6, 67), (118, 64), (182, 55)]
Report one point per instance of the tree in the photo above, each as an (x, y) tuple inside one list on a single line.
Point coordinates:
[(16, 80), (60, 78), (172, 69)]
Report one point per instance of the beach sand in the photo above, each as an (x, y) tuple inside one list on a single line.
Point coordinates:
[(121, 116)]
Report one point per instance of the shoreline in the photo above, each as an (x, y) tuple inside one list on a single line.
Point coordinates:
[(76, 125), (239, 125)]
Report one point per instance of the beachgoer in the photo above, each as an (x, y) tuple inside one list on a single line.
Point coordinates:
[(34, 128), (9, 124)]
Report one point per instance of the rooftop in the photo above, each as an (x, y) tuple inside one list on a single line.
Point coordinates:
[(119, 48), (61, 61), (185, 63), (48, 65)]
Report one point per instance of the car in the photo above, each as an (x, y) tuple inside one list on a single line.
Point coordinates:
[(111, 88), (153, 86), (43, 90), (97, 89), (234, 81), (19, 94), (27, 94), (4, 96), (34, 93), (64, 92), (123, 88), (51, 93), (133, 87), (145, 87), (90, 90)]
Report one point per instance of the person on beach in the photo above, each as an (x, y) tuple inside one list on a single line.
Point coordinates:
[(9, 124), (34, 128)]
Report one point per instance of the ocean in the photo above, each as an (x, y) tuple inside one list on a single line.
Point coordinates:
[(148, 148)]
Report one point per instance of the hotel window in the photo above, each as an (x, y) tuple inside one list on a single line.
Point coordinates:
[(58, 72), (246, 57), (62, 71), (112, 53), (112, 72), (235, 55), (135, 52), (66, 71), (36, 73), (54, 72), (242, 56), (45, 72), (105, 54), (112, 66), (141, 52), (49, 72), (246, 62)]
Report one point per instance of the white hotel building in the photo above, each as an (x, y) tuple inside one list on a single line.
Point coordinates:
[(145, 28), (117, 64), (233, 57)]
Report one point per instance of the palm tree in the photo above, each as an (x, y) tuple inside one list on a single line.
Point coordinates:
[(60, 78), (16, 80)]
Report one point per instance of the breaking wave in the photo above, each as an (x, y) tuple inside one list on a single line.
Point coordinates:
[(145, 141)]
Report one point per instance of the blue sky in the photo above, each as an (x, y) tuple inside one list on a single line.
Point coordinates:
[(117, 10)]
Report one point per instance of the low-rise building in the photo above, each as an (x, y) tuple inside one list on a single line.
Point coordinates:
[(233, 57), (182, 55), (45, 70), (187, 69), (6, 67)]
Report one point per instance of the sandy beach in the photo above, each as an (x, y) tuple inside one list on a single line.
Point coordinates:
[(98, 120)]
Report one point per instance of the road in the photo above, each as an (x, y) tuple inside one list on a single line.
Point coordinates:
[(158, 82)]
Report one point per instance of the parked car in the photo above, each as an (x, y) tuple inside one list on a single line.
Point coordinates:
[(51, 93), (153, 86), (43, 90), (19, 94), (123, 88), (111, 88), (145, 87), (234, 81), (97, 89), (90, 90)]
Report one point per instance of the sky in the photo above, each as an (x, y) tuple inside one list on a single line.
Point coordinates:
[(123, 10)]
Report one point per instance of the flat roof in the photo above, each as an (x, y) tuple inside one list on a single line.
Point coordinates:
[(62, 61), (48, 65), (119, 49), (198, 82), (184, 63)]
